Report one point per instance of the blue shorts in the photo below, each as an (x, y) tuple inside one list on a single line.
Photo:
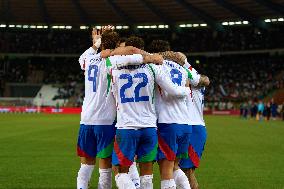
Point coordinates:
[(95, 141), (173, 141), (130, 142), (196, 148)]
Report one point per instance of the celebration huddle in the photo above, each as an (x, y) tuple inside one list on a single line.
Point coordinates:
[(140, 108)]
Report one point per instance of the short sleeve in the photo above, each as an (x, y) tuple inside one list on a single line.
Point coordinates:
[(193, 75), (82, 59)]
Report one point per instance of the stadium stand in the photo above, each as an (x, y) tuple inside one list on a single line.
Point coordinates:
[(46, 96), (237, 78), (185, 40)]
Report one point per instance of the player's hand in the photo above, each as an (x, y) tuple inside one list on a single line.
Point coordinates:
[(96, 33), (107, 28), (96, 36), (155, 59), (204, 81)]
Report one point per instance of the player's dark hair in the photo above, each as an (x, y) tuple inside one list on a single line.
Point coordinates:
[(110, 40), (123, 39), (135, 41), (159, 46)]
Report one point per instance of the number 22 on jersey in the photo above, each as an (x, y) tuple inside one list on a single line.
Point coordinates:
[(136, 97)]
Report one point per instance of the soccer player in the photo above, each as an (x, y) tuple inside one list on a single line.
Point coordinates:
[(97, 130), (173, 129), (133, 172), (199, 135), (136, 134)]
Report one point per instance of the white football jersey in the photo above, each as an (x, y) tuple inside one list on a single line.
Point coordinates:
[(195, 102), (169, 108), (134, 91), (99, 104), (193, 75), (196, 112), (89, 52)]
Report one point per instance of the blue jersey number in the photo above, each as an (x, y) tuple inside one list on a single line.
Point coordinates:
[(176, 76), (93, 69), (124, 87), (137, 97)]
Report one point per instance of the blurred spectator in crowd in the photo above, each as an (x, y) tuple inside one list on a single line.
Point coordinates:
[(245, 110), (273, 109), (253, 110), (267, 111), (230, 105), (260, 110), (241, 109)]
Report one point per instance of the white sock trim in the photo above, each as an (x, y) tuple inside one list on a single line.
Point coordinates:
[(84, 176), (105, 170), (178, 173), (168, 184), (123, 181), (181, 180), (134, 175), (105, 179), (146, 182)]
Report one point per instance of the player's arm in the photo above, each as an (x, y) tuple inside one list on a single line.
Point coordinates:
[(97, 36), (82, 59), (196, 79), (168, 55), (164, 81), (128, 50), (118, 61), (177, 57), (82, 62), (203, 81)]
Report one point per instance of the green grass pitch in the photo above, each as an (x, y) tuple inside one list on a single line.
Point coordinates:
[(39, 152)]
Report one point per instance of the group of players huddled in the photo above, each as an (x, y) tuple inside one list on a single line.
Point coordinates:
[(139, 107)]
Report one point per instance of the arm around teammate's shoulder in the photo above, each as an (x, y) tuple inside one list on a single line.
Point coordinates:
[(164, 81)]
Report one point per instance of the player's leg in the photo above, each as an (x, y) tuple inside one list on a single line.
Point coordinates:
[(167, 135), (166, 173), (123, 156), (146, 155), (180, 178), (191, 177), (134, 175), (86, 149), (146, 179), (196, 148), (105, 138)]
